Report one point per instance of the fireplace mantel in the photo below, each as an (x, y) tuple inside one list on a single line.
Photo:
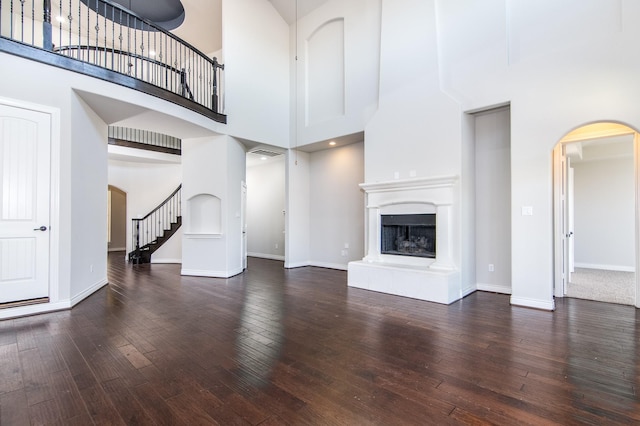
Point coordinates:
[(407, 184), (436, 279)]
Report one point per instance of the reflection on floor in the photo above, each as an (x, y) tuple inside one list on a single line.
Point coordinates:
[(603, 286)]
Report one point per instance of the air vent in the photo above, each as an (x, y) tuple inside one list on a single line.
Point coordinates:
[(265, 152)]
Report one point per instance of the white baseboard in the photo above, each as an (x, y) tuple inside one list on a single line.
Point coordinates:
[(88, 292), (547, 305), (43, 308), (619, 268), (291, 265), (211, 274), (494, 288), (40, 308), (266, 256), (165, 260), (328, 265), (467, 291)]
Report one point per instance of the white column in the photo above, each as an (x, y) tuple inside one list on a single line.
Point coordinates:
[(444, 248), (373, 232)]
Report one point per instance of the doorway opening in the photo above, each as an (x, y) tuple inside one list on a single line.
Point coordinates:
[(264, 204), (595, 214), (116, 219)]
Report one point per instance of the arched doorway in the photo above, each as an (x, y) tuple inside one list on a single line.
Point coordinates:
[(596, 215)]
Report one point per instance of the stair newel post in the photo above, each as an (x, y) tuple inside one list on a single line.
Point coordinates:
[(137, 239)]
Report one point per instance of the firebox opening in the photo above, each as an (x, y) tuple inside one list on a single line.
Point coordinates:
[(409, 235)]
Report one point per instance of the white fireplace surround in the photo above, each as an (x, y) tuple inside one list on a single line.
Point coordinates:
[(436, 280)]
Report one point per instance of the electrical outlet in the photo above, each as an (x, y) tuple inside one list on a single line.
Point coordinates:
[(346, 245), (491, 268), (343, 253)]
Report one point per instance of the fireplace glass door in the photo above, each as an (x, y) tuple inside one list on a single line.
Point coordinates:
[(409, 235)]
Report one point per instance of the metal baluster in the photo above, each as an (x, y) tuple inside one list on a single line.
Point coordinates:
[(22, 20), (46, 25)]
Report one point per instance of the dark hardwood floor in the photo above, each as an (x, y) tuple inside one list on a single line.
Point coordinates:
[(274, 346)]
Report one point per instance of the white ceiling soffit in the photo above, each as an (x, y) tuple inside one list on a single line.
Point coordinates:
[(119, 113)]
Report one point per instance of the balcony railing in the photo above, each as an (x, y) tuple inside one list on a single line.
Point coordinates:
[(111, 37)]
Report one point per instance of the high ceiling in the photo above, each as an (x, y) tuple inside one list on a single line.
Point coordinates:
[(289, 9), (202, 25)]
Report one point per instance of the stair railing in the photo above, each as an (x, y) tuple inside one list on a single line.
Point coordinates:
[(153, 226), (107, 35)]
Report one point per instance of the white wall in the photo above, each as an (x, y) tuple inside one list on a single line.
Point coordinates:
[(236, 162), (604, 214), (265, 209), (337, 206), (298, 212), (337, 71), (416, 131), (147, 185), (214, 166), (493, 201), (88, 200), (256, 52)]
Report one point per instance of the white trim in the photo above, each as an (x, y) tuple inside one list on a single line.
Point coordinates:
[(619, 268), (291, 265), (211, 274), (41, 308), (166, 260), (201, 235), (338, 266), (266, 256), (88, 292), (416, 183), (494, 288), (547, 305), (467, 291)]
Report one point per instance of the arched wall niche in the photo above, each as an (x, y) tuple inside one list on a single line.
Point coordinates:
[(205, 214), (325, 73)]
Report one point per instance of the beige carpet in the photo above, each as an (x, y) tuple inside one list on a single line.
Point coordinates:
[(603, 286)]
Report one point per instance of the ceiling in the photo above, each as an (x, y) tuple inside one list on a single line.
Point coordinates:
[(289, 9), (167, 14), (202, 26)]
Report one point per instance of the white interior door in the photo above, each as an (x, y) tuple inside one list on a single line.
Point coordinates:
[(25, 137), (570, 221)]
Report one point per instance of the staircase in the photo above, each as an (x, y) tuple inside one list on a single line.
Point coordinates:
[(153, 230)]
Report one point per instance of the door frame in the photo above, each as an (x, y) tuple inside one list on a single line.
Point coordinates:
[(54, 212), (561, 261), (243, 225)]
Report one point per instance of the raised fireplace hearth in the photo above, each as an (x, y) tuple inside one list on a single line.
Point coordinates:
[(410, 241)]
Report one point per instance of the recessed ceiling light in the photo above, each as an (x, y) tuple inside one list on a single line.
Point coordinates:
[(332, 143), (263, 158)]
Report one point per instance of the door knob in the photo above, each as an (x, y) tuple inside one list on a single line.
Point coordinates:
[(42, 228)]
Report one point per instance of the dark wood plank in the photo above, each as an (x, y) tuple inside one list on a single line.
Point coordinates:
[(276, 346), (14, 408)]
